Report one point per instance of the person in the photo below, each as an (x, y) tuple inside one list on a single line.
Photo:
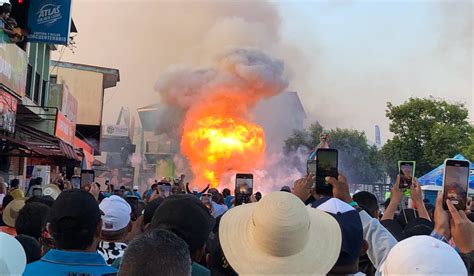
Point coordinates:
[(7, 199), (217, 204), (116, 224), (3, 189), (148, 193), (380, 241), (167, 254), (12, 256), (15, 190), (258, 196), (368, 202), (149, 211), (10, 214), (196, 191), (228, 197), (31, 247), (135, 192), (187, 217), (31, 219), (75, 224), (285, 189), (423, 255), (279, 235)]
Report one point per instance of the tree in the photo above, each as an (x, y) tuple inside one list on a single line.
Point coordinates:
[(426, 131), (357, 160)]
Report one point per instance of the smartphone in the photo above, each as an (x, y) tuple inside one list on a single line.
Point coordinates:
[(311, 169), (166, 189), (456, 183), (326, 165), (87, 177), (406, 170), (76, 182), (37, 192), (243, 188)]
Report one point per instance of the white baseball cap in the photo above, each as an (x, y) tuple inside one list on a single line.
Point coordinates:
[(116, 213), (423, 255), (12, 256), (135, 187)]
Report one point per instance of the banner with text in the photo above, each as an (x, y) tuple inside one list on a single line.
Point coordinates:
[(65, 129), (49, 21)]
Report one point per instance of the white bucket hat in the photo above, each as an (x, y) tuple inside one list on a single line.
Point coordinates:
[(279, 235), (423, 255), (12, 256)]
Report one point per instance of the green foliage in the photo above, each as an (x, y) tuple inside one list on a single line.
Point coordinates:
[(358, 161), (427, 131)]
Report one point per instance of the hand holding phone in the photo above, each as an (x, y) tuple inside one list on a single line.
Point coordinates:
[(326, 165), (456, 183), (243, 188), (406, 170)]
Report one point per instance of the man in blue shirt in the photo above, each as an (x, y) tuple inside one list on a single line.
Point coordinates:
[(75, 224)]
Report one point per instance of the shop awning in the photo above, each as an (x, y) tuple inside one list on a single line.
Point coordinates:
[(24, 148), (47, 144)]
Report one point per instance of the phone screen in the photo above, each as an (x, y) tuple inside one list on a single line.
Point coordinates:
[(37, 192), (243, 188), (166, 190), (87, 177), (76, 182), (326, 165), (406, 170), (455, 183), (311, 169)]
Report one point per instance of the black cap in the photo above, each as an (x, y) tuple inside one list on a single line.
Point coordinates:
[(74, 210), (150, 209), (187, 217)]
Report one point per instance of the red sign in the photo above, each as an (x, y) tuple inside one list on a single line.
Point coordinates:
[(7, 112), (65, 128)]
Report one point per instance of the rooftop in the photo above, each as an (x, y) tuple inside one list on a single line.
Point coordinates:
[(111, 75)]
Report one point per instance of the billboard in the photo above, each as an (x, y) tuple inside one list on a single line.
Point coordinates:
[(8, 105), (13, 68), (49, 21), (116, 130), (65, 128)]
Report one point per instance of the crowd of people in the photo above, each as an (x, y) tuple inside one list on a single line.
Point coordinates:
[(175, 230)]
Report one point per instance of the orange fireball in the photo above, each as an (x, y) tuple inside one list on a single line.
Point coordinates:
[(216, 144)]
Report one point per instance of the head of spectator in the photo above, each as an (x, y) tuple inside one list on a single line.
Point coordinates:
[(187, 217), (11, 212), (280, 235), (423, 255), (14, 184), (75, 221), (285, 189), (226, 192), (368, 202), (31, 247), (150, 209), (12, 256), (353, 245), (116, 224), (75, 224), (15, 190), (258, 196), (417, 227), (213, 191), (166, 254), (31, 219)]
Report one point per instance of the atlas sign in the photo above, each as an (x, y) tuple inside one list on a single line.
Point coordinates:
[(48, 14)]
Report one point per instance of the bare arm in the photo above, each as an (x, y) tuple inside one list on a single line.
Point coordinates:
[(397, 195), (418, 200)]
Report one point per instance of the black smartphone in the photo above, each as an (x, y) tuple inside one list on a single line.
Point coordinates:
[(406, 170), (456, 183), (311, 170), (76, 182), (37, 192), (326, 165), (243, 188), (87, 177)]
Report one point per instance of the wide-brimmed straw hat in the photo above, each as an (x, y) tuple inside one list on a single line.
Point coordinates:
[(280, 235), (52, 191), (12, 210)]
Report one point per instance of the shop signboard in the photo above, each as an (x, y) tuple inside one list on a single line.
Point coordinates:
[(49, 21), (116, 130), (65, 128), (69, 104), (13, 68), (8, 105)]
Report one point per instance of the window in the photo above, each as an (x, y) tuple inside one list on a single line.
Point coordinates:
[(28, 81), (43, 94), (53, 79), (36, 92)]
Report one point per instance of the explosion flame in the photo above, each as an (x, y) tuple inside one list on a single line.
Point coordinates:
[(217, 144)]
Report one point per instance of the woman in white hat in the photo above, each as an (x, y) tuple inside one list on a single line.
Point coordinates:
[(279, 235)]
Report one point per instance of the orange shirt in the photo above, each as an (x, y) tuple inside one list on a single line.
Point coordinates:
[(8, 230)]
